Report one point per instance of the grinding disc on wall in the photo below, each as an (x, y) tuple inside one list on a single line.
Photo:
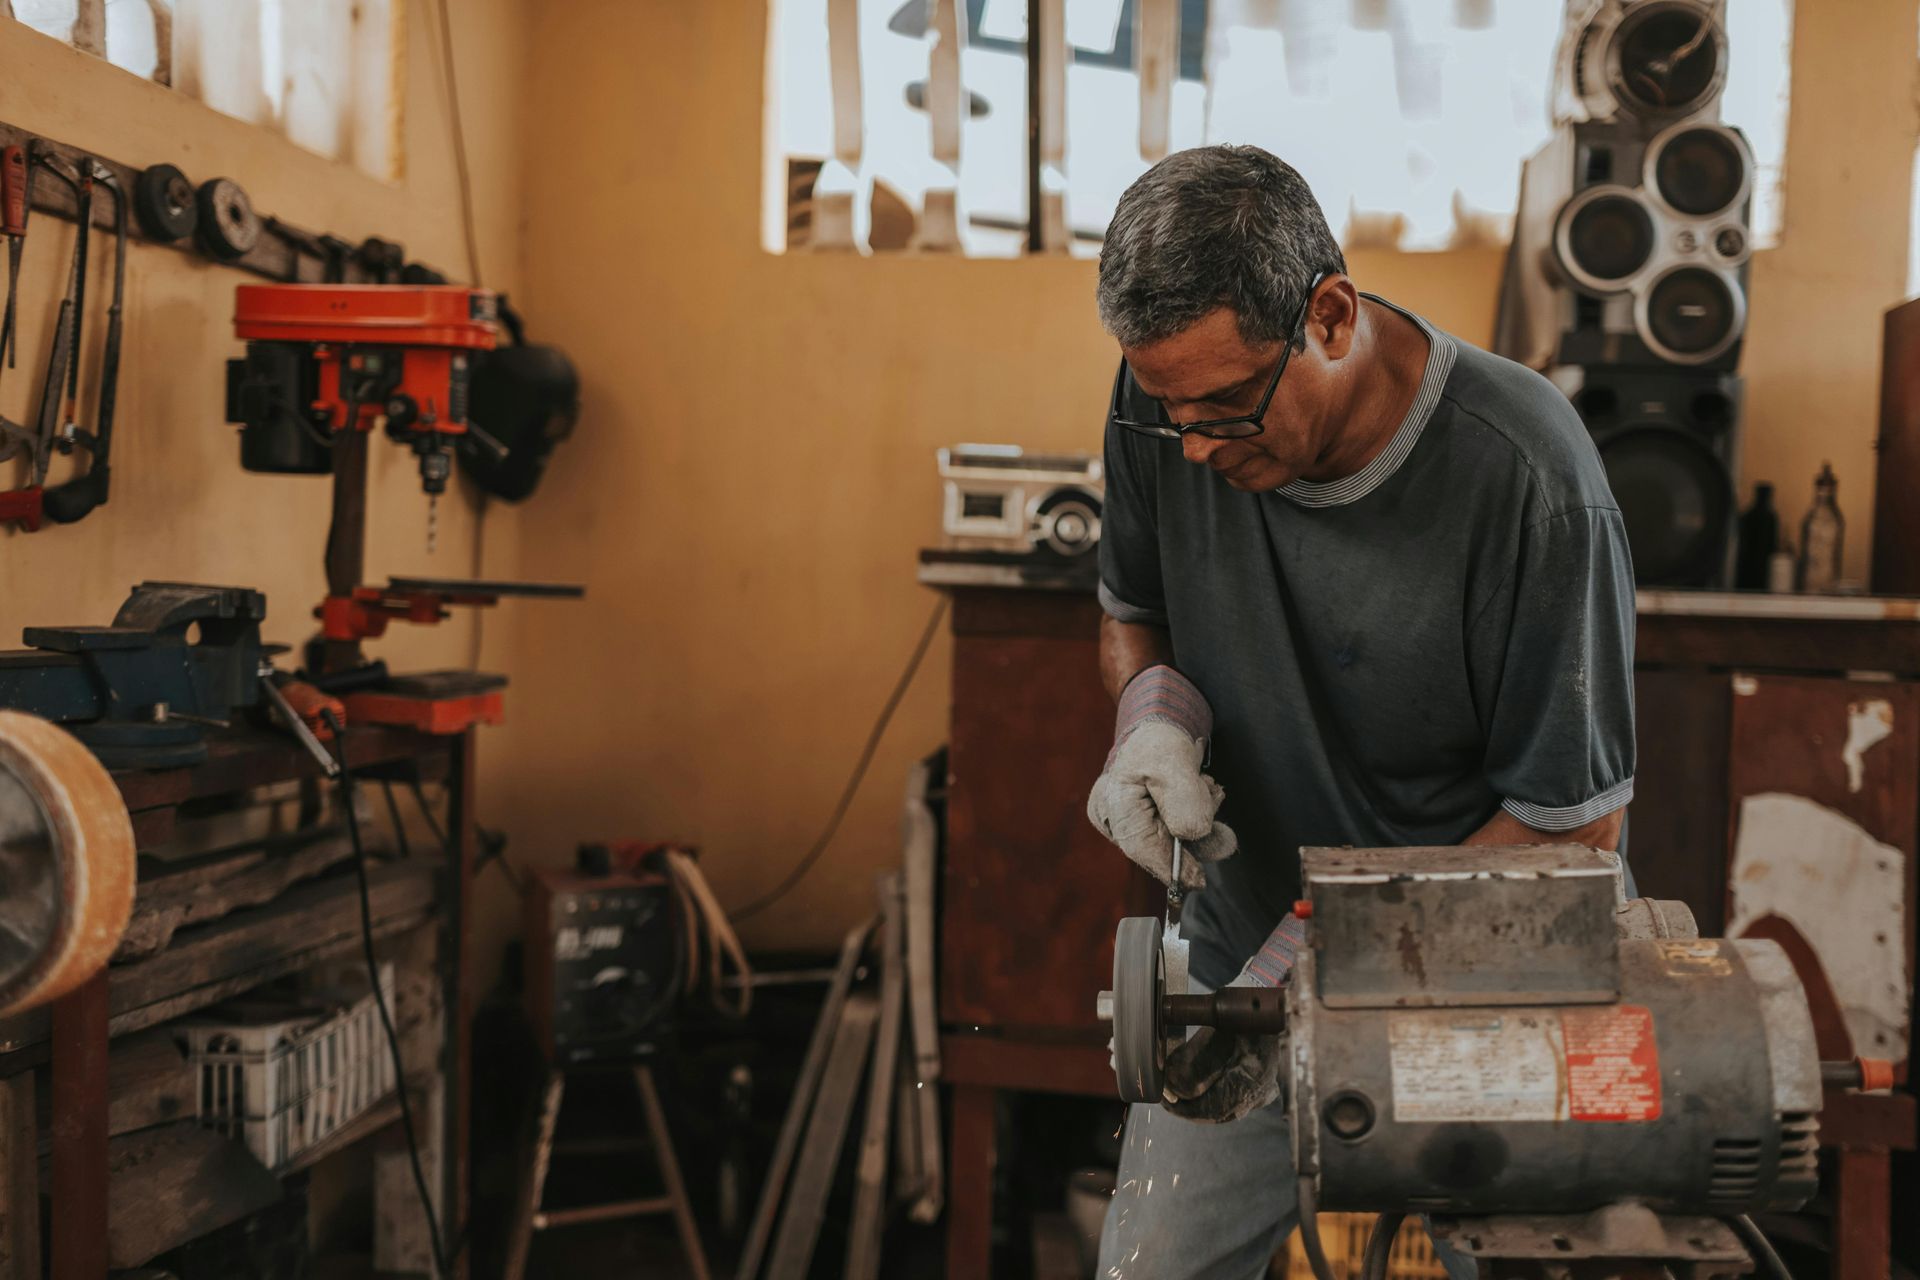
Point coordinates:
[(67, 863)]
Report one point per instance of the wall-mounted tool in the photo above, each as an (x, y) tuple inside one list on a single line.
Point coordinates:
[(165, 203), (326, 359), (67, 853), (331, 252), (226, 225), (527, 398), (140, 691), (13, 223), (26, 506), (75, 498)]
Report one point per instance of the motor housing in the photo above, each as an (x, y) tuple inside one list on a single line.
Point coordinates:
[(1471, 1034)]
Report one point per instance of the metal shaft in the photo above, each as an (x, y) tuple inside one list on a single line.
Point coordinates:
[(1253, 1010)]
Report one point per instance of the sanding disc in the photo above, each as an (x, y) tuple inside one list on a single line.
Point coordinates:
[(67, 863), (1139, 1047)]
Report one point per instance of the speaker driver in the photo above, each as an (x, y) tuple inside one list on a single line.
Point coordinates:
[(1690, 314), (1604, 238), (1699, 170), (1666, 58), (1675, 501)]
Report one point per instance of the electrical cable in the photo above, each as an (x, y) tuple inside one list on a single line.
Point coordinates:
[(1379, 1252), (706, 920), (459, 143), (440, 1264), (1310, 1229), (1759, 1246), (859, 772), (393, 812)]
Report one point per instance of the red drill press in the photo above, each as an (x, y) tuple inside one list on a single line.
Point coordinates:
[(325, 365), (324, 359)]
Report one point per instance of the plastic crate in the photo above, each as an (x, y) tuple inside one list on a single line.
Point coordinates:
[(1344, 1237), (283, 1077)]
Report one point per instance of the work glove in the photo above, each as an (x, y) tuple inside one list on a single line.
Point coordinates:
[(1219, 1076), (1152, 788)]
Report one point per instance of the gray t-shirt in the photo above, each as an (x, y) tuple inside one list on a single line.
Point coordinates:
[(1393, 656)]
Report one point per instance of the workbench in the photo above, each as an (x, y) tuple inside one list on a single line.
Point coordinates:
[(419, 906), (1031, 893)]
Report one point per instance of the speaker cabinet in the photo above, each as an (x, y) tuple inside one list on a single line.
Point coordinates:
[(1669, 440), (1631, 249)]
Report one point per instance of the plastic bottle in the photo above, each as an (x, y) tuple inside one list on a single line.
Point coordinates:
[(1821, 535)]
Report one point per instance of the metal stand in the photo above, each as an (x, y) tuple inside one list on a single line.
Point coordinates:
[(529, 1217)]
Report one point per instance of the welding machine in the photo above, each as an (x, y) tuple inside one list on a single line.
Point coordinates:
[(326, 358), (604, 962), (1498, 1038)]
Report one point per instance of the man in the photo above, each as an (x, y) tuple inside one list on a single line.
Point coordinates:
[(1365, 585)]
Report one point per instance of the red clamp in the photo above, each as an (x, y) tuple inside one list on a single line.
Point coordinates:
[(23, 507)]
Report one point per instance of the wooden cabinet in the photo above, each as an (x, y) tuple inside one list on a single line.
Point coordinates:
[(1031, 892)]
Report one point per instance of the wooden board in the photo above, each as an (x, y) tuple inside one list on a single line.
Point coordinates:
[(170, 1184), (213, 887), (19, 1181), (1677, 824), (1030, 891), (303, 927), (1795, 735), (793, 1245)]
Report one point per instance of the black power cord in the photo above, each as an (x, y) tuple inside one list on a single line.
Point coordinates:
[(859, 772), (440, 1266)]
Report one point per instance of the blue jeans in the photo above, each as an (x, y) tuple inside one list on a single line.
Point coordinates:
[(1205, 1200)]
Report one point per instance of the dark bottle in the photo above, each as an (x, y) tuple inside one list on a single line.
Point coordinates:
[(1759, 539)]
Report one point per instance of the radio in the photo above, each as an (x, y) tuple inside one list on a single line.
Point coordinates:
[(1002, 498)]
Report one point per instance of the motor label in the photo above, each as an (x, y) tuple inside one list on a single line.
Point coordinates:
[(1613, 1063), (1477, 1065), (1591, 1064)]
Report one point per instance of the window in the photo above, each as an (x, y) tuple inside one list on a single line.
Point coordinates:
[(1409, 117), (322, 72)]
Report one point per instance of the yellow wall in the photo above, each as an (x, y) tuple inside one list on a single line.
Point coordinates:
[(754, 470), (181, 506)]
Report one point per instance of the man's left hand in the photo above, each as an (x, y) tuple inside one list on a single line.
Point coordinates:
[(1218, 1076)]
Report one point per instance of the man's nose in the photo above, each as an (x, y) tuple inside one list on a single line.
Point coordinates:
[(1198, 448)]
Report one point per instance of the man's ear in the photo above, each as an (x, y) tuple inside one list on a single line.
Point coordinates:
[(1332, 317)]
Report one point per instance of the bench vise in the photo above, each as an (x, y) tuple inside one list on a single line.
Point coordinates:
[(177, 657)]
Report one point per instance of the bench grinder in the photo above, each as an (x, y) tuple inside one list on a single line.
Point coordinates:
[(1497, 1038)]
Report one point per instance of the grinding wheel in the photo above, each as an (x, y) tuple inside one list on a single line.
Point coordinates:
[(1139, 1045), (67, 863)]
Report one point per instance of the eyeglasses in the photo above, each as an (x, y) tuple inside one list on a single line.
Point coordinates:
[(1247, 424)]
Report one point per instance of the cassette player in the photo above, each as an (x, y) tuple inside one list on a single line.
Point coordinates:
[(1001, 498)]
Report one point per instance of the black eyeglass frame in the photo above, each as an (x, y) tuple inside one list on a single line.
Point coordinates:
[(1235, 428)]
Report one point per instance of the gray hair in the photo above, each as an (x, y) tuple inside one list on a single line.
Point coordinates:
[(1230, 226)]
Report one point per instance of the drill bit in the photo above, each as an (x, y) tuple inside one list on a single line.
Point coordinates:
[(433, 522)]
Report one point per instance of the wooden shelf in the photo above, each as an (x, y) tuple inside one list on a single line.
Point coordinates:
[(307, 925)]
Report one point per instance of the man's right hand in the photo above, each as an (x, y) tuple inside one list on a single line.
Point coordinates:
[(1153, 789)]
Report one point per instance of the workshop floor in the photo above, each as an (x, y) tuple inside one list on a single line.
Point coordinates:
[(635, 1248)]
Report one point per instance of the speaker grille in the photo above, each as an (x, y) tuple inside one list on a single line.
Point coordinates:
[(1700, 171), (1666, 59), (1675, 500), (1692, 313), (1610, 237)]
